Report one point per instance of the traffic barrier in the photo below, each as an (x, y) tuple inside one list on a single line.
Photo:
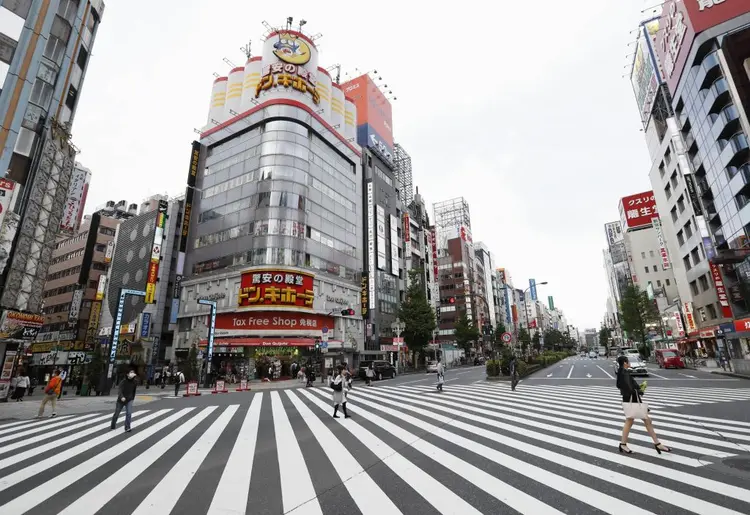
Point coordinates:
[(220, 387), (243, 386), (191, 389)]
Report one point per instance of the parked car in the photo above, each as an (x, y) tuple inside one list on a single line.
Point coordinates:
[(382, 369), (432, 367), (593, 354), (669, 358), (637, 365), (479, 360)]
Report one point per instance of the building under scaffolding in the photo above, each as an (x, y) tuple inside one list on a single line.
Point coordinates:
[(450, 216), (402, 166)]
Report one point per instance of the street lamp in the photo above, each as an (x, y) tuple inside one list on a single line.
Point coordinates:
[(528, 323), (398, 327)]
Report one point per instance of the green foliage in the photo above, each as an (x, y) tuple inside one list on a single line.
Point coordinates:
[(553, 339), (644, 350), (499, 330), (417, 314), (548, 358), (190, 367), (636, 310), (523, 336), (493, 368), (466, 332), (605, 335)]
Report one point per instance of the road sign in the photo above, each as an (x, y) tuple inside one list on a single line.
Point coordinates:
[(506, 337), (324, 344), (324, 336), (398, 341), (389, 348)]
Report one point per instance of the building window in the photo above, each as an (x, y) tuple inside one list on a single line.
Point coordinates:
[(658, 284), (646, 269), (711, 311), (681, 238), (651, 253), (689, 229), (673, 212), (694, 288), (681, 203), (643, 255), (655, 269), (695, 256), (704, 282), (666, 281), (686, 263)]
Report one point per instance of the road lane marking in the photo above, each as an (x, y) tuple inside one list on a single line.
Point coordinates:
[(686, 375), (608, 374), (571, 371)]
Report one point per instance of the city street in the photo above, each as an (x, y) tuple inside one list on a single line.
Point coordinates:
[(477, 447)]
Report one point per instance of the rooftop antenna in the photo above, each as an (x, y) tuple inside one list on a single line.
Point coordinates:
[(289, 21), (336, 67), (228, 62), (302, 23), (247, 49)]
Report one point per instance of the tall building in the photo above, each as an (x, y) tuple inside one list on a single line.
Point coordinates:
[(144, 258), (457, 285), (44, 55), (697, 134), (451, 216), (418, 254), (275, 219), (485, 272)]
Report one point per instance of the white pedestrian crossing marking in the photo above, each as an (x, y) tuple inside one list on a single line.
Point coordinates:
[(561, 438)]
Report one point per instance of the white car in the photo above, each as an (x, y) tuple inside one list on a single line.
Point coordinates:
[(432, 367), (593, 354)]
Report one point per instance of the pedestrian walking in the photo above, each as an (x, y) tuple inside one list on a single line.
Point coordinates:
[(440, 375), (634, 407), (339, 386), (22, 384), (310, 372), (369, 374), (51, 391), (179, 378), (513, 373), (125, 398)]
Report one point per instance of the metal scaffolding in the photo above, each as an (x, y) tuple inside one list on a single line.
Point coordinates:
[(402, 165), (452, 213)]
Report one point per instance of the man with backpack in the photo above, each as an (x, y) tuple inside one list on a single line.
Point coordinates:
[(51, 391), (179, 378)]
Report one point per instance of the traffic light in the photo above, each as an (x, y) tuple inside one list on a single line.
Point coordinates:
[(347, 312), (451, 300), (317, 346)]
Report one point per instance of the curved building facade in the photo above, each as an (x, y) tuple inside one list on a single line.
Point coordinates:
[(274, 234)]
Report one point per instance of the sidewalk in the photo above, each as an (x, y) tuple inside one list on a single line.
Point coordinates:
[(67, 405)]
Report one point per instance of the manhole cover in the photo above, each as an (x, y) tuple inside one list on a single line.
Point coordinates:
[(738, 462)]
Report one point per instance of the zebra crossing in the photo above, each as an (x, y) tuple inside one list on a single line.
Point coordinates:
[(471, 449)]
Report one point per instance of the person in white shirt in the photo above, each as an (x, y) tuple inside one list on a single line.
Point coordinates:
[(179, 379), (22, 384), (440, 375)]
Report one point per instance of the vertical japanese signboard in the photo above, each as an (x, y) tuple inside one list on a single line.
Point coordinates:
[(93, 326), (689, 318), (678, 323), (656, 222), (75, 306), (435, 270), (6, 194), (371, 243), (156, 250), (109, 252), (73, 209), (101, 287), (721, 290)]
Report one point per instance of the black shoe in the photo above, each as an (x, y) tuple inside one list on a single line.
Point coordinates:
[(336, 416), (662, 448), (623, 449)]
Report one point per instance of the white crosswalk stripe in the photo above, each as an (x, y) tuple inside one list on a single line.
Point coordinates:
[(471, 449)]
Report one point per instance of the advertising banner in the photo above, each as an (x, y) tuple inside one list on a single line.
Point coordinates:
[(407, 228), (380, 224), (75, 306), (174, 311), (93, 325), (674, 40), (73, 209), (195, 155), (705, 14), (656, 222), (187, 211), (613, 230), (364, 295), (101, 287), (20, 326), (395, 265), (371, 242), (6, 195), (721, 291), (435, 270), (271, 287), (551, 302), (241, 323), (637, 211), (153, 267), (532, 289), (645, 76), (693, 194), (374, 115), (687, 308), (678, 323)]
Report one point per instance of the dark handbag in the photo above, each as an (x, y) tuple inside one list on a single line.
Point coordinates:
[(337, 387)]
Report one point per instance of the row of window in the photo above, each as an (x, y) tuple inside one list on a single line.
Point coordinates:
[(695, 257), (256, 228), (69, 255), (64, 273), (70, 241), (277, 256)]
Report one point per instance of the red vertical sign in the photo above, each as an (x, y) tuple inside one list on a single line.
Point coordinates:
[(721, 291)]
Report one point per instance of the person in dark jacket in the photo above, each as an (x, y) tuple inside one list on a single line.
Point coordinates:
[(125, 398), (633, 406)]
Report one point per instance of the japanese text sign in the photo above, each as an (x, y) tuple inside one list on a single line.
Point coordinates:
[(721, 291), (265, 288), (637, 211)]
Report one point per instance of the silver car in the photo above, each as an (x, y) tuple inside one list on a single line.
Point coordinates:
[(637, 366)]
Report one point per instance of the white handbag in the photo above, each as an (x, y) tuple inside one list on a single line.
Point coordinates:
[(634, 410)]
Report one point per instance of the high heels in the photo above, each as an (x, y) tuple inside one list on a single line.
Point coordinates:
[(624, 449), (659, 448)]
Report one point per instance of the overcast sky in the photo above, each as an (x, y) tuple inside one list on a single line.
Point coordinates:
[(522, 110)]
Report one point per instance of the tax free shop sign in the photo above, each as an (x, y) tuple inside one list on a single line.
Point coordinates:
[(271, 323)]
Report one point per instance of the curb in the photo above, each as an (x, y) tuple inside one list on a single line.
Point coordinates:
[(731, 374)]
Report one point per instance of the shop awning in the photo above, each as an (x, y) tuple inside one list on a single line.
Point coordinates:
[(261, 342)]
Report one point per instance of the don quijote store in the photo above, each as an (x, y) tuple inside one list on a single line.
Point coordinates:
[(269, 318)]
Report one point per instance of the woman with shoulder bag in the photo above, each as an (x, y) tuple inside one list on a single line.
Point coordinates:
[(634, 407), (339, 386)]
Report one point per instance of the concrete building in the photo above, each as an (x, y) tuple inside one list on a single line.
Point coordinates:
[(457, 284), (484, 272), (418, 255), (44, 57)]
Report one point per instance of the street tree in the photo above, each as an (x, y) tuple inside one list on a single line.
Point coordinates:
[(417, 314), (636, 312), (498, 343), (466, 333), (536, 342), (605, 335), (553, 338)]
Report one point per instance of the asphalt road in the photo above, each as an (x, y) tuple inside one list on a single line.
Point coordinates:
[(549, 447)]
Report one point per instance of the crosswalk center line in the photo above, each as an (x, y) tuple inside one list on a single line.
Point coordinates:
[(31, 423), (594, 498), (35, 468), (165, 495), (570, 488), (93, 500), (614, 418), (41, 493), (644, 466), (233, 489), (296, 485), (56, 426), (368, 496), (434, 492)]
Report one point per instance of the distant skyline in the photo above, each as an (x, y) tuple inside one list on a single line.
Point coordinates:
[(533, 123)]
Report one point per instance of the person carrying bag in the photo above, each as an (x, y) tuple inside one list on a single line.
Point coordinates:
[(634, 407)]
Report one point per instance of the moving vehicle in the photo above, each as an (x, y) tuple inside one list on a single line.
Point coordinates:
[(667, 358), (593, 354), (637, 365), (432, 367), (382, 369)]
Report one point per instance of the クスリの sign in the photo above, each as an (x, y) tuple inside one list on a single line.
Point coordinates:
[(637, 211)]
